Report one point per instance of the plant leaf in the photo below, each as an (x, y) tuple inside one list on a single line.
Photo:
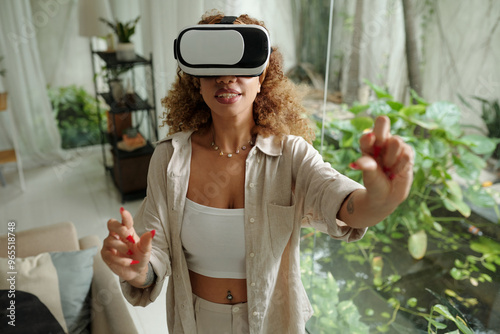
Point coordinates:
[(435, 323), (480, 197), (480, 144), (417, 244), (416, 109), (446, 115), (379, 91), (418, 98), (378, 108), (490, 266), (362, 123), (359, 108)]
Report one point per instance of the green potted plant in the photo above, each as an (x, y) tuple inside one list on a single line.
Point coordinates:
[(3, 95), (125, 48)]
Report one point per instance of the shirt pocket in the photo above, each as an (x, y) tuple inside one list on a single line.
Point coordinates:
[(281, 221)]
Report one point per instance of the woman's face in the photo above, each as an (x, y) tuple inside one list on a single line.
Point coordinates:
[(229, 96)]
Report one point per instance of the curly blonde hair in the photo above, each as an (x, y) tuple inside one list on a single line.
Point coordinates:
[(277, 109)]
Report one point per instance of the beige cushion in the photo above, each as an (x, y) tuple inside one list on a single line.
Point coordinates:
[(53, 238)]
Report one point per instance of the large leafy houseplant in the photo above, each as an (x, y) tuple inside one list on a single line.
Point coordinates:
[(429, 227), (77, 115)]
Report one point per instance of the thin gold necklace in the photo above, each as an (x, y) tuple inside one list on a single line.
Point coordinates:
[(229, 155)]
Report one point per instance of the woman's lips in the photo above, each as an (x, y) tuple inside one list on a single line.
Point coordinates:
[(227, 96)]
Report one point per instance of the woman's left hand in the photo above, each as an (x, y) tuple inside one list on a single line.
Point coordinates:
[(387, 165)]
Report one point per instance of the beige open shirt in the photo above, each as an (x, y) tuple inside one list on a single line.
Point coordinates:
[(287, 186)]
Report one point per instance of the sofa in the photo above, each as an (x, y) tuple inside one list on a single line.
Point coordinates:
[(108, 311)]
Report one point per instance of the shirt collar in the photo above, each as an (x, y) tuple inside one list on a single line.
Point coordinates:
[(178, 138), (268, 145)]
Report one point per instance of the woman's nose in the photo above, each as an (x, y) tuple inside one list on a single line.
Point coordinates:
[(226, 79)]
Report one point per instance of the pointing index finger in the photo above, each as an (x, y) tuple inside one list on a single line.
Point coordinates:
[(382, 130), (127, 219)]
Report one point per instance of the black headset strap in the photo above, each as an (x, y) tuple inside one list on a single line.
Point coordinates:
[(228, 20)]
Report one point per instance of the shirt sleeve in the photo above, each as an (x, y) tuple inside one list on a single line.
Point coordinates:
[(152, 215), (320, 191)]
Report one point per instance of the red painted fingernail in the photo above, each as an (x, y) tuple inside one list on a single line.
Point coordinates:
[(134, 262), (392, 176), (354, 165), (376, 151), (131, 239), (129, 252), (153, 232), (122, 209), (371, 134), (386, 169)]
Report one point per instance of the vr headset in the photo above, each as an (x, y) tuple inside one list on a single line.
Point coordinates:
[(223, 49)]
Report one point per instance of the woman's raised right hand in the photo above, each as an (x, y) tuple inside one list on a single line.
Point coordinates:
[(125, 253)]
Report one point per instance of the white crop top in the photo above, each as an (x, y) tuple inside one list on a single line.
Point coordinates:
[(214, 240)]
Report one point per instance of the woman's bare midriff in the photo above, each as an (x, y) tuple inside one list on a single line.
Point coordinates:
[(215, 289)]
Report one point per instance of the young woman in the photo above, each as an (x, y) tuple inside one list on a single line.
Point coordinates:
[(229, 190)]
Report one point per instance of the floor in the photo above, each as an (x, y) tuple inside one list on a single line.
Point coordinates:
[(78, 191)]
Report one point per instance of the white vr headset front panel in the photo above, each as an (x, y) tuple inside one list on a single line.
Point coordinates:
[(201, 45), (223, 49)]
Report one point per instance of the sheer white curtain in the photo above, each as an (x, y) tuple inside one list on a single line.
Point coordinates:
[(39, 138)]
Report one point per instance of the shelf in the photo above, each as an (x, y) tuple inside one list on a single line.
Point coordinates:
[(126, 105), (111, 61)]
